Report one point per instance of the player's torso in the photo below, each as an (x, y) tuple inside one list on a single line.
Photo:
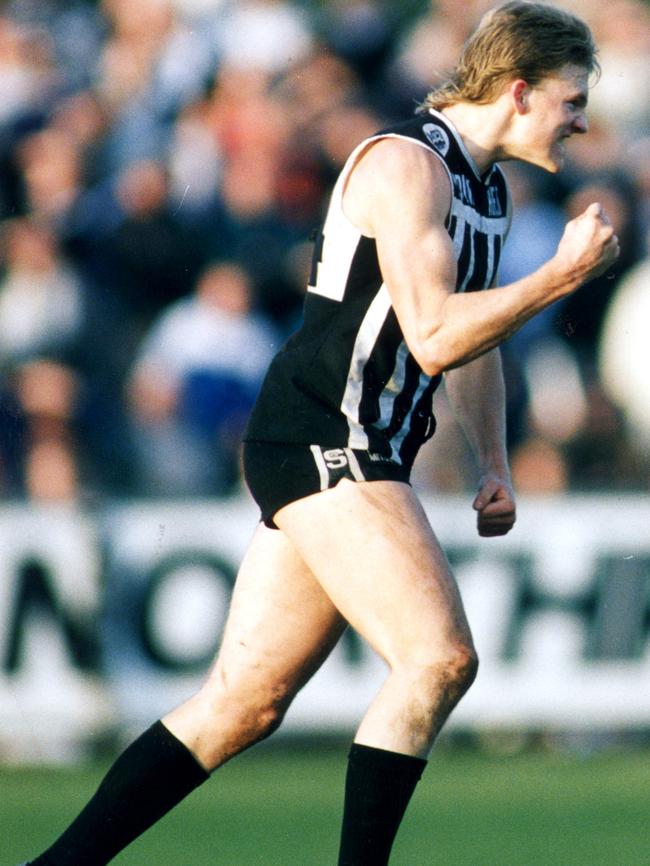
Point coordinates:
[(347, 377)]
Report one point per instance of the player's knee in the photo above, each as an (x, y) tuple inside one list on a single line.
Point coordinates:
[(243, 715), (461, 667), (272, 712), (447, 674), (262, 713)]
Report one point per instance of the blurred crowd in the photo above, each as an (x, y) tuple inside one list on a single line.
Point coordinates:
[(163, 164)]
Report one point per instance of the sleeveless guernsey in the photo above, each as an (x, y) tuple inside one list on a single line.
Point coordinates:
[(346, 378)]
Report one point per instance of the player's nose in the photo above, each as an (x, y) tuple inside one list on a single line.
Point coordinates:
[(580, 124)]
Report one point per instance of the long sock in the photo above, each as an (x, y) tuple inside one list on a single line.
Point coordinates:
[(150, 777), (378, 787)]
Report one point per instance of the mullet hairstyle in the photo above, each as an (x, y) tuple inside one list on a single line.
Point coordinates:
[(516, 40)]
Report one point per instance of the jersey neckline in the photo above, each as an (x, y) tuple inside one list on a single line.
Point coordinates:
[(484, 179)]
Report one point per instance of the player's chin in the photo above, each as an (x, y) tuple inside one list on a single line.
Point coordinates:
[(553, 164), (556, 158)]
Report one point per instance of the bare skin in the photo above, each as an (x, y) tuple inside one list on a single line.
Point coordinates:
[(364, 553)]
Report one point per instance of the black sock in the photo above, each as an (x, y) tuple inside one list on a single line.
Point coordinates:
[(378, 788), (150, 777)]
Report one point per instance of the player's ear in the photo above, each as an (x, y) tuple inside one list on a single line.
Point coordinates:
[(520, 95)]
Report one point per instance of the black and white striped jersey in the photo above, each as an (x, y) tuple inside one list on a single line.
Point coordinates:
[(347, 379)]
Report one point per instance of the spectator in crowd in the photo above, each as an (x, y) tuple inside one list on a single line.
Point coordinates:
[(620, 102), (267, 35), (581, 318), (602, 455), (41, 297), (29, 75), (194, 382), (69, 32), (269, 192), (51, 165), (48, 393), (56, 364), (84, 118), (195, 159), (624, 352), (150, 260), (539, 468), (428, 50), (637, 165), (150, 66)]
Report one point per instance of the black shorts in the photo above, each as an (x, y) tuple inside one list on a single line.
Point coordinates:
[(278, 473)]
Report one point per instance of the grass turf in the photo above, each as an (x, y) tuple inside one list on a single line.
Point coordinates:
[(280, 806)]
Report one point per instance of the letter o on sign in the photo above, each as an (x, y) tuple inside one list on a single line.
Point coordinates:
[(184, 610)]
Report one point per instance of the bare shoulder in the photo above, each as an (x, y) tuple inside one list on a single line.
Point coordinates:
[(396, 176)]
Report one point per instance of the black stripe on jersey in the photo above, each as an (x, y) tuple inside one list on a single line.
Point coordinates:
[(404, 401), (317, 255), (422, 424), (364, 277), (378, 369)]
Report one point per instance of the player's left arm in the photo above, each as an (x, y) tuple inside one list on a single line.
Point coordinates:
[(476, 393)]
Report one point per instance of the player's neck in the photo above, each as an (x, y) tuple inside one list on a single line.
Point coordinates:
[(482, 128)]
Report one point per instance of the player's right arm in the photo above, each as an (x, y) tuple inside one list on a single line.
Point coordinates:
[(399, 193)]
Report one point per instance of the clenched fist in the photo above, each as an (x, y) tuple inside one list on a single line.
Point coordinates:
[(588, 246)]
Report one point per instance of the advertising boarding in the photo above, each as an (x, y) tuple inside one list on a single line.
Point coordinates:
[(109, 619)]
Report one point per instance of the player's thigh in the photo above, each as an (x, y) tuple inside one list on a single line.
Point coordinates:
[(372, 549), (281, 625)]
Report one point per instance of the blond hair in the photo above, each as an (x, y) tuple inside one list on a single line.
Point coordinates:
[(516, 40)]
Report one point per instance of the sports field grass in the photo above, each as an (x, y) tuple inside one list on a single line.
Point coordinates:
[(280, 806)]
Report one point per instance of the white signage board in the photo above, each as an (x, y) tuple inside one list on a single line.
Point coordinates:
[(108, 620)]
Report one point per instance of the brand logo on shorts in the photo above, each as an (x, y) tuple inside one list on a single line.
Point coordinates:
[(335, 458), (336, 463), (437, 136)]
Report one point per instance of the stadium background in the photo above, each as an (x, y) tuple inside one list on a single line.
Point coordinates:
[(162, 166)]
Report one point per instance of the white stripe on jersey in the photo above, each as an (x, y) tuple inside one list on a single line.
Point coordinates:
[(394, 386), (487, 225), (366, 338), (489, 271), (340, 242), (319, 460), (458, 237), (353, 463)]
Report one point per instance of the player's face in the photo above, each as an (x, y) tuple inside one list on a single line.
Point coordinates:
[(557, 110)]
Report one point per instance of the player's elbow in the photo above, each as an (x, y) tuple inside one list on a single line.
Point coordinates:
[(432, 366), (444, 347), (433, 355)]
